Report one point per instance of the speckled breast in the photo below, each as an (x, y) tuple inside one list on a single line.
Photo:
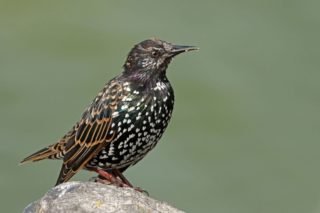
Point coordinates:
[(138, 124)]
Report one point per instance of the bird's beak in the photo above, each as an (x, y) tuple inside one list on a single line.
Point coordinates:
[(177, 49)]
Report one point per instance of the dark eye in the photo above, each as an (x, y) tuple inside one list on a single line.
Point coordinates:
[(155, 52)]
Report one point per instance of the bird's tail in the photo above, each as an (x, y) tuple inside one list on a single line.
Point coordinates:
[(49, 152)]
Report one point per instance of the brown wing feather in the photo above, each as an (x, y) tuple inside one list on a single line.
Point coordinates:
[(92, 133)]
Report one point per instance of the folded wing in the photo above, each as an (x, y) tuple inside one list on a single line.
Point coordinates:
[(93, 132)]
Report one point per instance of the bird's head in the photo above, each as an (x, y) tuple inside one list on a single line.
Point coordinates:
[(150, 58)]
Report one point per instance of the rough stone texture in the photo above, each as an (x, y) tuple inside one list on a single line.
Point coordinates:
[(96, 197)]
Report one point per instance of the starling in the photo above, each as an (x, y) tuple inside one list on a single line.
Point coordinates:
[(126, 119)]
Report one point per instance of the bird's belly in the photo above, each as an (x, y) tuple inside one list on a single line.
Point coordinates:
[(135, 135)]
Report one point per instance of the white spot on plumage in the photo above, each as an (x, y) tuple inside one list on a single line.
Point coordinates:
[(111, 150), (115, 114), (131, 127), (159, 86), (120, 145), (123, 151), (152, 130), (103, 156), (133, 148)]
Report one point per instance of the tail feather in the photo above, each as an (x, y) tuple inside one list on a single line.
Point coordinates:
[(45, 153), (54, 151)]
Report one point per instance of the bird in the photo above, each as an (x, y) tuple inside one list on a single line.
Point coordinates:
[(124, 121)]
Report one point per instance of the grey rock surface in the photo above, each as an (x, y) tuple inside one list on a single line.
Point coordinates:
[(96, 197)]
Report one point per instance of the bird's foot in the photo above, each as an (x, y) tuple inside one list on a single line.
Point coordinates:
[(141, 190), (116, 179), (107, 178)]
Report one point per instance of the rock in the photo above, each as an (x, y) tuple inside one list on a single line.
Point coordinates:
[(96, 197)]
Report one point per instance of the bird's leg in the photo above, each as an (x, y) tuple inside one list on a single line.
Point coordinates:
[(126, 182), (115, 177), (117, 173), (106, 177)]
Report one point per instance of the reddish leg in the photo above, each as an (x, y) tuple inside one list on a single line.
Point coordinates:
[(117, 173), (109, 178), (116, 178)]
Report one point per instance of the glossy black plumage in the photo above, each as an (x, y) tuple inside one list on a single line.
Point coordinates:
[(126, 119)]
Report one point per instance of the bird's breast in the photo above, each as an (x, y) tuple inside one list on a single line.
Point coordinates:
[(138, 124)]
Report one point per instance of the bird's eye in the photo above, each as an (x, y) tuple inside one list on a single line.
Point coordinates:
[(155, 53)]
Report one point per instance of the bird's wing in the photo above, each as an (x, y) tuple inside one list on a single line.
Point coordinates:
[(92, 133)]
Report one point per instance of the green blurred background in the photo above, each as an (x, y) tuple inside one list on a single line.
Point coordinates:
[(245, 132)]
